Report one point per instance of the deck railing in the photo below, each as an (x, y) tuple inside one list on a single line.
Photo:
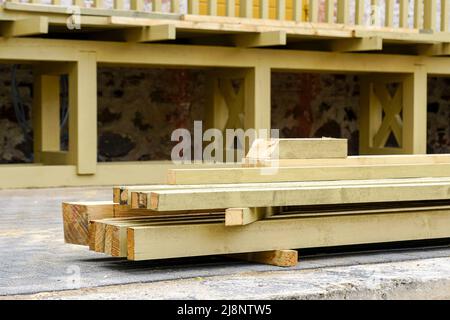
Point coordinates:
[(431, 15)]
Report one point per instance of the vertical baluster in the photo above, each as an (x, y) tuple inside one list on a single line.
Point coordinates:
[(264, 9), (230, 8), (56, 2), (404, 13), (99, 4), (343, 11), (246, 8), (389, 13), (359, 12), (313, 11), (157, 4), (193, 6), (445, 15), (430, 15), (212, 7), (118, 4), (175, 6), (418, 14), (281, 9), (329, 11), (79, 3), (374, 12), (35, 1), (297, 10)]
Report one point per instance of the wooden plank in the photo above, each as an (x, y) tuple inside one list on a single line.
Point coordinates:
[(111, 234), (263, 39), (243, 216), (306, 173), (284, 195), (276, 234), (298, 148), (278, 258), (357, 45), (24, 27), (76, 217), (352, 161)]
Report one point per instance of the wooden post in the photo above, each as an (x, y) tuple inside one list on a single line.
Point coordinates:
[(281, 9), (212, 7), (404, 13), (297, 8), (313, 11), (175, 6), (430, 15), (418, 14), (230, 8), (46, 114), (415, 112), (389, 13), (246, 8), (445, 15), (257, 98), (359, 12), (83, 113), (343, 11)]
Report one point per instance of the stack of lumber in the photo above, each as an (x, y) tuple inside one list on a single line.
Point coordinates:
[(289, 194)]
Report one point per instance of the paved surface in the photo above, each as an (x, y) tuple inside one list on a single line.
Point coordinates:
[(35, 263)]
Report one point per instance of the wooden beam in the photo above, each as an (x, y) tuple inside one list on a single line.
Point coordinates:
[(353, 161), (54, 157), (263, 39), (150, 34), (310, 148), (284, 195), (83, 113), (24, 27), (278, 258), (442, 49), (306, 173), (46, 115), (275, 234), (357, 45), (76, 217), (243, 216)]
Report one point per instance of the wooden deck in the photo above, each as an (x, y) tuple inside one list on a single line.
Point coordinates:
[(248, 44)]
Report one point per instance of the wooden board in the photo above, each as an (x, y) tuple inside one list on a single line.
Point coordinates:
[(306, 173), (298, 149), (76, 217), (275, 234), (374, 160), (285, 194), (279, 258)]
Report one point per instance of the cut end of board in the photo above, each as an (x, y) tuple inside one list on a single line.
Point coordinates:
[(234, 217), (130, 244), (154, 201)]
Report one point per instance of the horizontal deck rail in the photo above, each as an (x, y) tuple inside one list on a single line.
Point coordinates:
[(430, 15)]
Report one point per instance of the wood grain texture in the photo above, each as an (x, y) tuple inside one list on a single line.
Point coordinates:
[(279, 258), (76, 217)]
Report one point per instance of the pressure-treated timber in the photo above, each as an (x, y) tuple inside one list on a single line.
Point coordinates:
[(276, 234), (24, 27), (153, 33), (305, 173), (376, 160), (76, 217), (263, 39), (290, 194), (243, 216), (355, 45), (109, 236), (279, 258), (298, 148)]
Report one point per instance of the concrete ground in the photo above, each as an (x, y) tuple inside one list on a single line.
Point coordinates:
[(36, 264)]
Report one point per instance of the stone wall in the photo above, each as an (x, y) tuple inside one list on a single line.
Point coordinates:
[(139, 108)]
